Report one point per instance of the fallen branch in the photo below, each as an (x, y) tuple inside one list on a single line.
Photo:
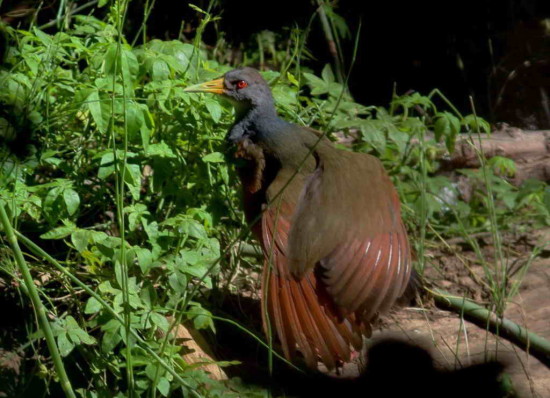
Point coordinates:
[(530, 150), (533, 344), (198, 351)]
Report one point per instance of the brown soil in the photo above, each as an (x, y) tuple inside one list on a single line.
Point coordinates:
[(455, 343)]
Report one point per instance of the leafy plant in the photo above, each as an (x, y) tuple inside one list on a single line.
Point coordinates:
[(121, 194)]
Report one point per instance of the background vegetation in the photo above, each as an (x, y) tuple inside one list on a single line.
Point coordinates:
[(115, 187)]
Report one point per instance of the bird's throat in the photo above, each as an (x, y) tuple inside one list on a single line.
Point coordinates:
[(252, 120)]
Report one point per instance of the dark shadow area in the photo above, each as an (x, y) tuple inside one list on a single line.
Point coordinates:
[(394, 368)]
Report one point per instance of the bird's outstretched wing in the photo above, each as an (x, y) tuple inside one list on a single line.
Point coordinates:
[(337, 252), (347, 223), (299, 310)]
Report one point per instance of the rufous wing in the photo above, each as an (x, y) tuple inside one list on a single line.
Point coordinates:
[(347, 223)]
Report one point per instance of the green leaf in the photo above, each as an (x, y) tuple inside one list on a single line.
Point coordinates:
[(60, 232), (214, 109), (214, 157), (72, 200), (132, 178), (111, 338), (160, 70), (92, 306), (503, 166), (160, 149), (160, 321), (327, 74), (445, 125), (83, 336), (97, 111), (292, 79), (53, 204), (145, 259), (106, 166), (163, 386), (134, 121), (178, 282), (318, 86), (80, 238), (201, 317), (65, 346), (476, 124)]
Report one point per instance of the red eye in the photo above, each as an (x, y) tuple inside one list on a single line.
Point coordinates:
[(241, 84)]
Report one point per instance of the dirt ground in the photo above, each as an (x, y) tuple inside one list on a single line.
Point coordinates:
[(455, 343)]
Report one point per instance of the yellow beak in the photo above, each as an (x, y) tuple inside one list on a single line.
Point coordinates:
[(213, 86)]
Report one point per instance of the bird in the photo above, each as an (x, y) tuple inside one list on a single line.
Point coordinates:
[(336, 250)]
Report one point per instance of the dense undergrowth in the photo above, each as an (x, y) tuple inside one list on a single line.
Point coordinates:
[(127, 211)]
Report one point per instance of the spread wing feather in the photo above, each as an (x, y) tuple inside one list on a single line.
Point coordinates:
[(298, 308)]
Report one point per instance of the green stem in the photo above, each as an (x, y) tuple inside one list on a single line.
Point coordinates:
[(73, 12), (530, 342), (44, 324)]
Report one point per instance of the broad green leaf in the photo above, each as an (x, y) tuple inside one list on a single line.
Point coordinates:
[(160, 320), (65, 346), (214, 109), (72, 200), (163, 386), (132, 178), (446, 125), (292, 79), (201, 317), (160, 149), (134, 121), (92, 306), (318, 86), (60, 232), (214, 157), (476, 124), (97, 111), (145, 259), (83, 336), (80, 238), (327, 74), (503, 166), (160, 70), (178, 282)]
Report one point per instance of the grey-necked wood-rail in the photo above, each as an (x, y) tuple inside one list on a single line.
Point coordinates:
[(336, 250)]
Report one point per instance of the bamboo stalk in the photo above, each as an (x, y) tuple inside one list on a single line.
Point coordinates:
[(39, 309), (530, 342)]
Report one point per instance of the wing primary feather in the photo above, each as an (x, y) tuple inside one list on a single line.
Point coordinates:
[(337, 279), (337, 347), (367, 277), (386, 276), (274, 313), (296, 326), (314, 337)]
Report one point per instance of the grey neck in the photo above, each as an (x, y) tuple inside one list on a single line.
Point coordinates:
[(255, 119)]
